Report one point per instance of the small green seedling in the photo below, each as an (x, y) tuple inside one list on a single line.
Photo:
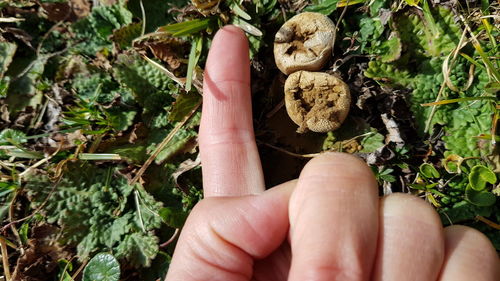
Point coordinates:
[(477, 192), (425, 183), (102, 267), (428, 171), (480, 176)]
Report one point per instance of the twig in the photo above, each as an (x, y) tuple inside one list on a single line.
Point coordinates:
[(10, 20), (37, 164), (275, 109), (488, 222), (163, 245), (79, 270), (13, 227), (5, 259), (289, 152), (143, 12), (338, 23), (312, 155)]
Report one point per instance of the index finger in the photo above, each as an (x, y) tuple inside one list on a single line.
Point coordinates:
[(230, 160)]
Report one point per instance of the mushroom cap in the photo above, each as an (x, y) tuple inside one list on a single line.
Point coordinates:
[(316, 101), (304, 42)]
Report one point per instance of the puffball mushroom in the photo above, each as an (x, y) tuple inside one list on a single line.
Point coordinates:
[(316, 101), (304, 42)]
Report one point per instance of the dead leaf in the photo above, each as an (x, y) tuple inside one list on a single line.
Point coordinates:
[(101, 61), (66, 11), (4, 110), (392, 127), (19, 34), (56, 12), (53, 108), (40, 261), (172, 51), (183, 168), (81, 8), (65, 141)]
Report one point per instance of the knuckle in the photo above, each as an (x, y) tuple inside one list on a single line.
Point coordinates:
[(328, 272), (338, 164)]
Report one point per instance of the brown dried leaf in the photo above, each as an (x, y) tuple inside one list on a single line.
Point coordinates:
[(172, 51), (183, 168), (40, 261), (19, 34), (81, 8), (68, 11), (57, 11)]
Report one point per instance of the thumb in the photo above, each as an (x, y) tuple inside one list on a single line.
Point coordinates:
[(223, 235)]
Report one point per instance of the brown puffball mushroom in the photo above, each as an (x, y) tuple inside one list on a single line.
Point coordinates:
[(316, 101), (304, 42)]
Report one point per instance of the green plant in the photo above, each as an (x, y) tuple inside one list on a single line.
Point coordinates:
[(102, 267), (383, 174), (463, 122), (98, 210)]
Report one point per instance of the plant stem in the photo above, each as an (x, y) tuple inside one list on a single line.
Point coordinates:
[(5, 259)]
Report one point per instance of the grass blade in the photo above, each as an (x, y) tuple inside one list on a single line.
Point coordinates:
[(194, 56)]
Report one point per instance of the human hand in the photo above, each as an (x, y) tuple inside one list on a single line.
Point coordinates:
[(329, 224)]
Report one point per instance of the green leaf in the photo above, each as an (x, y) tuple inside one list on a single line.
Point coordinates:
[(142, 78), (65, 266), (479, 176), (492, 87), (173, 218), (480, 198), (97, 209), (463, 211), (23, 232), (120, 119), (6, 194), (325, 7), (7, 51), (92, 32), (372, 142), (237, 10), (11, 136), (391, 49), (102, 267), (194, 56), (187, 27), (417, 186), (124, 36), (413, 3), (139, 249), (178, 144), (184, 104), (429, 171)]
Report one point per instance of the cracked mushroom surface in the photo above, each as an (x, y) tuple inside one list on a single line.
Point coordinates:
[(316, 101), (304, 42)]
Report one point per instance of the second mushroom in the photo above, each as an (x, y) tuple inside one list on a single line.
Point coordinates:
[(316, 101)]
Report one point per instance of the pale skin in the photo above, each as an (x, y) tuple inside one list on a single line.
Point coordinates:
[(329, 224)]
